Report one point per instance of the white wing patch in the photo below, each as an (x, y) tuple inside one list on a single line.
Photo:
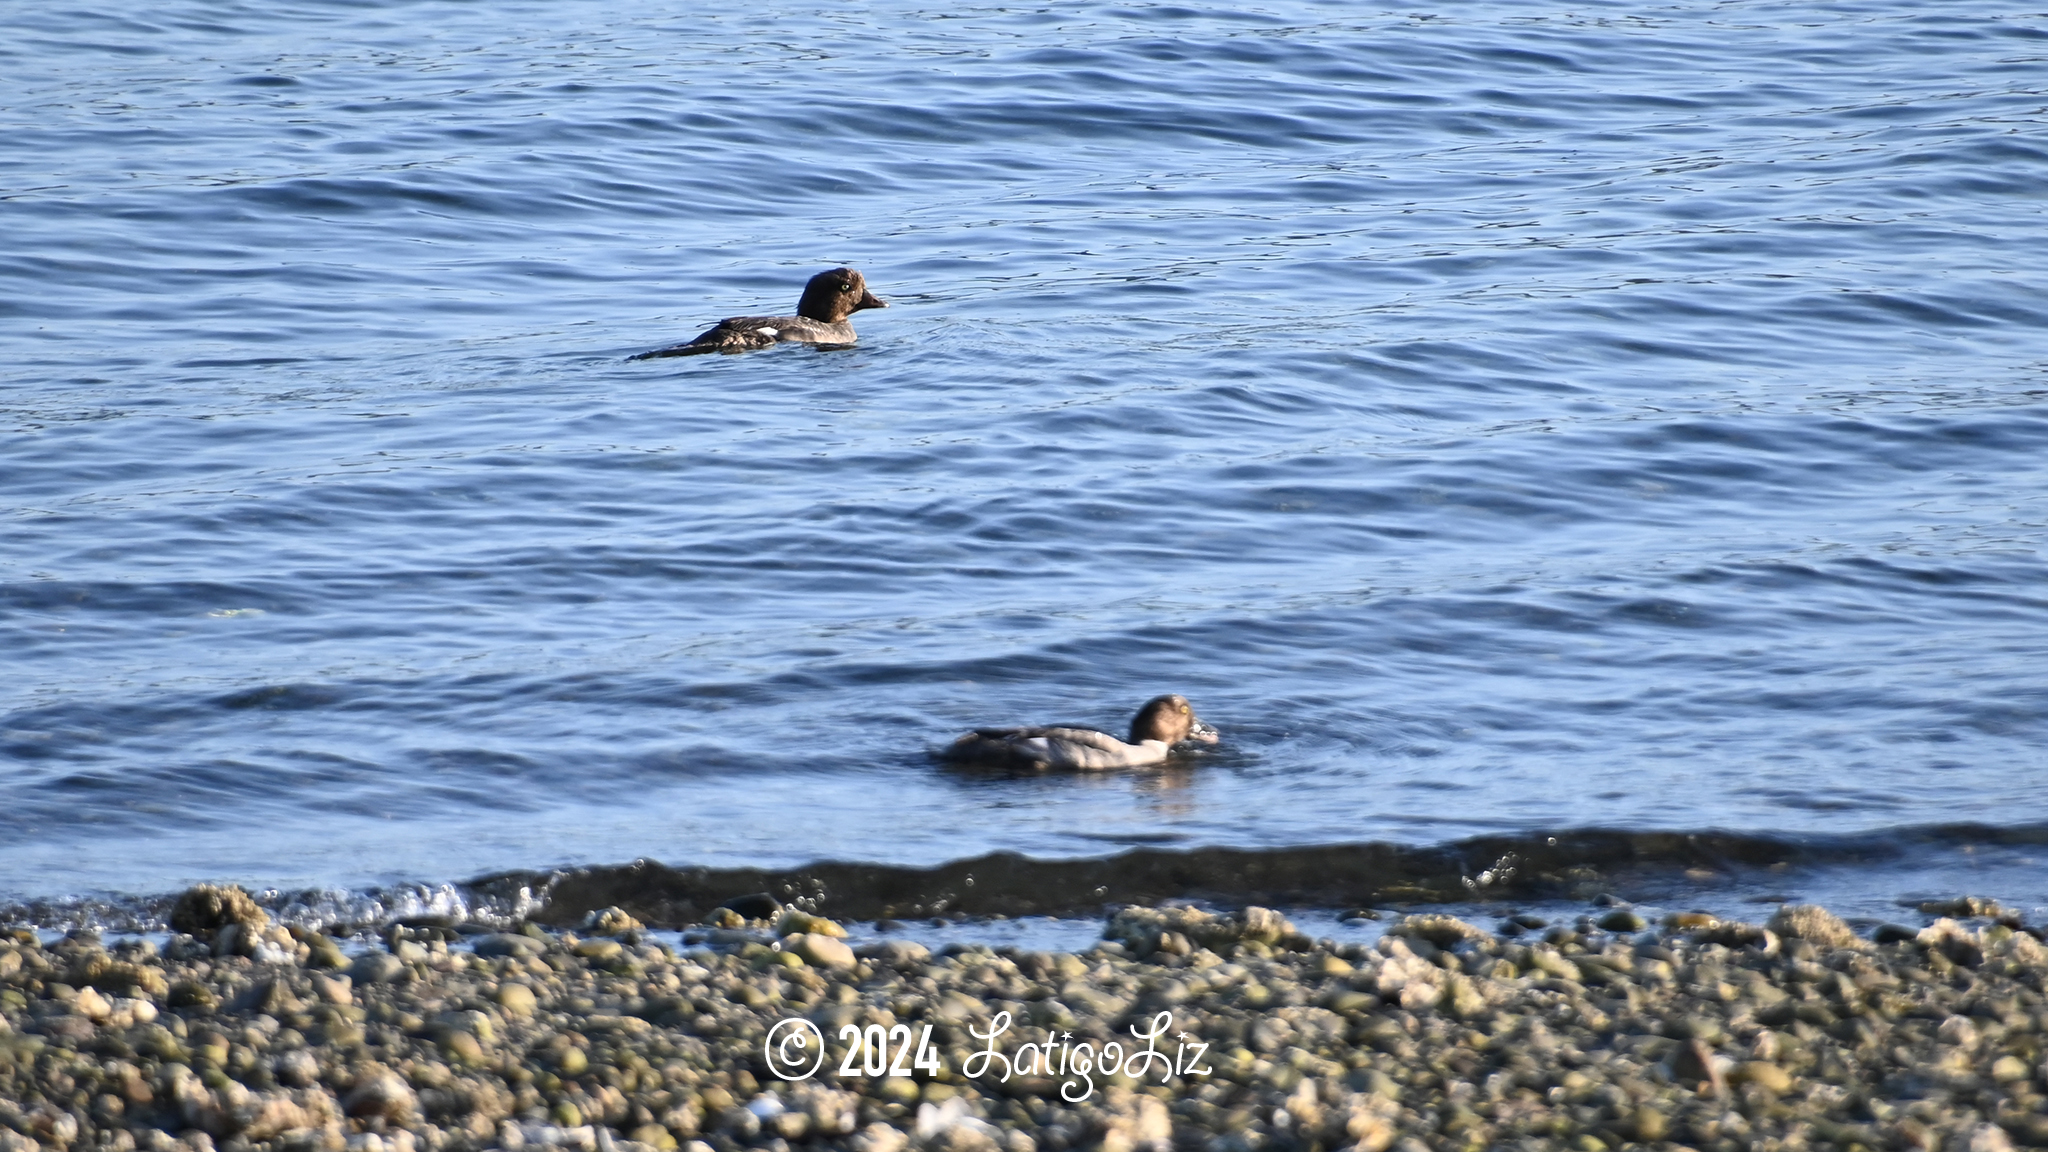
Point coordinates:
[(766, 332)]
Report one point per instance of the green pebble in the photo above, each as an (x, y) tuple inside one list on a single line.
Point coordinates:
[(516, 999), (899, 1090), (463, 1048)]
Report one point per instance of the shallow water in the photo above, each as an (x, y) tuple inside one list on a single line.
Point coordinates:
[(1509, 417)]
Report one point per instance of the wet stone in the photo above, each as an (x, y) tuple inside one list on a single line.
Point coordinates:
[(611, 922), (823, 951), (754, 906), (1962, 907), (1813, 924), (203, 911), (508, 944), (378, 968), (1622, 920)]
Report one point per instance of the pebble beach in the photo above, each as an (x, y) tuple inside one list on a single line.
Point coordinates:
[(1588, 462), (238, 1035)]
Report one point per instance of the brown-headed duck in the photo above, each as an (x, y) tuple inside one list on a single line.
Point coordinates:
[(821, 318), (1161, 726)]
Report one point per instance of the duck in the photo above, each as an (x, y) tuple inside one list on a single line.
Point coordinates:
[(1161, 728), (821, 318)]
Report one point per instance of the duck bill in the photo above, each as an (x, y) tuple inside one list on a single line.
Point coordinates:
[(1204, 733), (869, 300)]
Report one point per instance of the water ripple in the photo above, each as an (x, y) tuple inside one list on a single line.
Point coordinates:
[(1510, 418)]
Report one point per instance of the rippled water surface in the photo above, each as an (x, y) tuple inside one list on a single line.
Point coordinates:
[(1495, 416)]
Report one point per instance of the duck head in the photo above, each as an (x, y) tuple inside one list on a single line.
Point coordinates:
[(833, 296), (1172, 719)]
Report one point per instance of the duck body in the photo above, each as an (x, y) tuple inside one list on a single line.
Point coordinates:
[(1083, 748), (1162, 727), (821, 318), (745, 333)]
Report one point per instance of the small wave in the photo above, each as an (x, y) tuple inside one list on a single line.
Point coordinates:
[(1525, 867), (1576, 865)]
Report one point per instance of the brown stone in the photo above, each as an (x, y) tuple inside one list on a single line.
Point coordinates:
[(204, 910)]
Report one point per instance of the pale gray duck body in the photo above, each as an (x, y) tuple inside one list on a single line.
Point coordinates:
[(1165, 725)]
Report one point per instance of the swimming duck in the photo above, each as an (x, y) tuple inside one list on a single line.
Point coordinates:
[(1161, 726), (821, 318)]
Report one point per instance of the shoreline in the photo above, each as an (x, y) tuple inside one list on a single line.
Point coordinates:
[(1865, 876), (241, 1035)]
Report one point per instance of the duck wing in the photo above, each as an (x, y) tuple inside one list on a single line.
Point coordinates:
[(734, 334), (993, 746)]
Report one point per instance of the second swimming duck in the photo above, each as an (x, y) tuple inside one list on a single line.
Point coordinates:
[(1161, 726), (821, 318)]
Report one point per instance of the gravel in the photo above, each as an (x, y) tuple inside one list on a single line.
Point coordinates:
[(243, 1035)]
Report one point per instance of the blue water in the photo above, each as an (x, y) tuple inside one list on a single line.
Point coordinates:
[(1512, 415)]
